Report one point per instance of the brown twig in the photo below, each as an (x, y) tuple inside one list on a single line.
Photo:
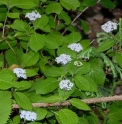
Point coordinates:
[(65, 103)]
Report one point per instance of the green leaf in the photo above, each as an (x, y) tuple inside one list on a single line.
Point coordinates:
[(54, 71), (20, 25), (4, 45), (84, 69), (85, 83), (85, 26), (73, 37), (70, 4), (30, 59), (93, 119), (54, 7), (89, 2), (30, 72), (6, 79), (51, 43), (22, 100), (97, 74), (66, 50), (51, 99), (13, 15), (16, 119), (46, 86), (83, 120), (14, 56), (37, 41), (63, 15), (108, 4), (41, 22), (119, 58), (41, 113), (5, 106), (105, 45), (67, 116), (22, 85), (79, 104), (24, 4)]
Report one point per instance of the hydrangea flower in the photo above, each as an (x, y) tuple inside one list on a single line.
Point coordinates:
[(20, 73), (109, 26), (66, 84), (33, 15), (28, 115), (63, 59), (75, 47)]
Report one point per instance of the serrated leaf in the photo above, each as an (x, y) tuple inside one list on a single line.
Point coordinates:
[(118, 57), (73, 37), (108, 4), (13, 58), (89, 2), (37, 41), (70, 4), (20, 25), (67, 116), (51, 43), (30, 59), (22, 100), (105, 45), (30, 72), (41, 22), (97, 74), (85, 26), (24, 4), (83, 120), (41, 113), (16, 119), (5, 106), (6, 79), (63, 15), (54, 7), (79, 104), (22, 85), (4, 45), (85, 83), (84, 69), (13, 15), (51, 99), (54, 72), (66, 50), (46, 86)]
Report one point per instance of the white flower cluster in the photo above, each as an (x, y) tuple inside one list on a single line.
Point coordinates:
[(28, 115), (66, 85), (63, 59), (21, 73), (109, 26), (75, 47), (33, 15)]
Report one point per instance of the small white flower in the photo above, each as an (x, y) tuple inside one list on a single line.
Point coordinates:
[(109, 26), (75, 47), (63, 59), (28, 115), (21, 73), (33, 15), (66, 85)]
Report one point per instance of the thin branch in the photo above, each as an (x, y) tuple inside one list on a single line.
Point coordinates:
[(65, 103), (77, 17)]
